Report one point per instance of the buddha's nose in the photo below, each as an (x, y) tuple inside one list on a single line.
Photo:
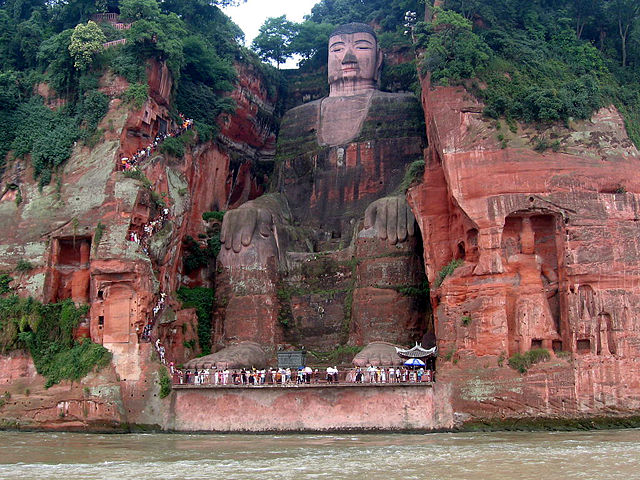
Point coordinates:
[(349, 57)]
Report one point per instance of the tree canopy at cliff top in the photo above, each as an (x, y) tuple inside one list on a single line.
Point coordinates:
[(532, 60), (54, 41), (540, 61)]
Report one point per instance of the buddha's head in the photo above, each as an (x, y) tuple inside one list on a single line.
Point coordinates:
[(354, 60)]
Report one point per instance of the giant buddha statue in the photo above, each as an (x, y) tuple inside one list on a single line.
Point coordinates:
[(334, 204)]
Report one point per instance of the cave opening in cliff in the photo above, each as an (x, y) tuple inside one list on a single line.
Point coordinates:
[(583, 345), (69, 275), (530, 252), (73, 251)]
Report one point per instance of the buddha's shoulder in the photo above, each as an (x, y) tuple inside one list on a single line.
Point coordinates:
[(307, 112), (299, 124), (392, 115)]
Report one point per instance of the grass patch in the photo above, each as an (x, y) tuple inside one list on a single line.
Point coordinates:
[(448, 356), (523, 361), (215, 215), (23, 266), (447, 270), (340, 354), (97, 235), (412, 176)]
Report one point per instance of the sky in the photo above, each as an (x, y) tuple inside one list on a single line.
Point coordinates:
[(251, 15)]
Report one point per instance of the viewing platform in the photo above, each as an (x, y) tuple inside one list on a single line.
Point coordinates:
[(192, 386), (314, 407)]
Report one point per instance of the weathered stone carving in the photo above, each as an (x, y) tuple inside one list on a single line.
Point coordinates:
[(340, 161)]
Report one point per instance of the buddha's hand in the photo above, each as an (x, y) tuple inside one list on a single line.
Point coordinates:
[(392, 219), (242, 225)]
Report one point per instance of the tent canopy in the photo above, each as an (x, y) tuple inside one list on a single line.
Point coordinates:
[(414, 362)]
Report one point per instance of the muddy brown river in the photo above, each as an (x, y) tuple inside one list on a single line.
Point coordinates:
[(602, 455)]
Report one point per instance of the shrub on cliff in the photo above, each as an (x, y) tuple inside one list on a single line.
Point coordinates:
[(165, 383), (46, 330), (200, 298), (549, 64), (447, 270), (136, 94), (214, 215), (452, 51), (173, 146), (523, 361), (5, 282)]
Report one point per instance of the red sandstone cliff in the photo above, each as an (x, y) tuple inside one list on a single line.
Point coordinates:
[(78, 240), (548, 246)]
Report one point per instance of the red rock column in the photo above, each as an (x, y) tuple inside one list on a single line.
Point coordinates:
[(80, 279)]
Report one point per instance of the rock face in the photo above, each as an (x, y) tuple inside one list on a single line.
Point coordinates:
[(95, 405), (547, 244), (524, 250), (79, 240)]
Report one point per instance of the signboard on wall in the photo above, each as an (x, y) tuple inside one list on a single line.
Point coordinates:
[(294, 359)]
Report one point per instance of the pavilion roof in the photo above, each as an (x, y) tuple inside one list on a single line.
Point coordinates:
[(417, 351)]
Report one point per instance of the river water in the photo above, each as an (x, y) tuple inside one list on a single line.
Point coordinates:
[(602, 455)]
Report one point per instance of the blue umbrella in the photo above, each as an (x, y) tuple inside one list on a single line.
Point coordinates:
[(414, 362)]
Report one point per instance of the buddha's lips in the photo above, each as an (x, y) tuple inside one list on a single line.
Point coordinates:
[(349, 68)]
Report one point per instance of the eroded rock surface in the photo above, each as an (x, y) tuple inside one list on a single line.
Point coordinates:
[(547, 244), (78, 236)]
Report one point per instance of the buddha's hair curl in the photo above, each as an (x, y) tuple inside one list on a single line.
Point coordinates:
[(355, 27)]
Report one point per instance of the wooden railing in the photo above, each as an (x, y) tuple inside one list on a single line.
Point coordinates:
[(106, 17), (113, 43)]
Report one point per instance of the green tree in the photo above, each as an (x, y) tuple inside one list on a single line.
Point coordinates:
[(453, 51), (583, 12), (86, 41), (161, 39), (29, 35), (625, 13), (55, 57), (311, 39), (274, 40), (139, 9)]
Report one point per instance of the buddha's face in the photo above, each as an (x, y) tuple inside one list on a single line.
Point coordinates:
[(354, 58)]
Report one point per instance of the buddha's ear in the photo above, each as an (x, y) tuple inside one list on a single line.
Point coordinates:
[(379, 59)]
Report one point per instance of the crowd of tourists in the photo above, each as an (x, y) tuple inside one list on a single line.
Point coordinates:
[(161, 351), (141, 235), (128, 163), (145, 336), (301, 376)]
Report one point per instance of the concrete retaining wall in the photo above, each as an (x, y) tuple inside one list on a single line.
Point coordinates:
[(312, 408)]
